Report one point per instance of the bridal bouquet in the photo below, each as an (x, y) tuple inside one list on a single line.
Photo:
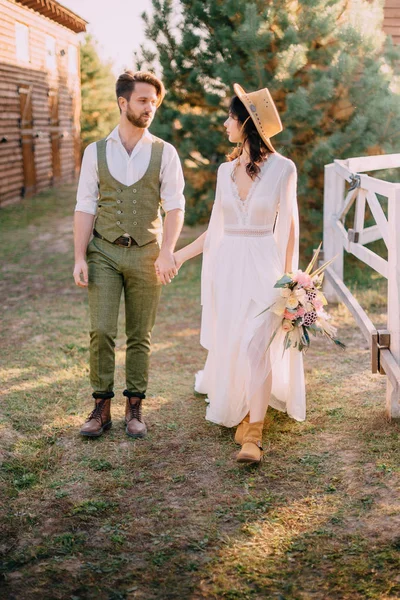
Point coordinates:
[(301, 307)]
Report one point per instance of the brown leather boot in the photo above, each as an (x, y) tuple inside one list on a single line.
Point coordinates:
[(240, 430), (135, 427), (99, 419), (251, 451)]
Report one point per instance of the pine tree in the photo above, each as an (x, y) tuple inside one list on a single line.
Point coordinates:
[(326, 63), (99, 107)]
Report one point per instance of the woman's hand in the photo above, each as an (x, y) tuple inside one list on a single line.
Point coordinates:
[(178, 260), (189, 251)]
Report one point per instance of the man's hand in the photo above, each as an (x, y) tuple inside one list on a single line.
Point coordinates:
[(165, 267), (83, 227), (81, 268)]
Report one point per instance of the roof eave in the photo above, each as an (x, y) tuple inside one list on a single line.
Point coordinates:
[(56, 12)]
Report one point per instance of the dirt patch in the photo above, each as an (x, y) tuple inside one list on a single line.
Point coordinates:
[(58, 240)]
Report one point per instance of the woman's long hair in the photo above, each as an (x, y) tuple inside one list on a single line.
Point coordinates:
[(258, 150)]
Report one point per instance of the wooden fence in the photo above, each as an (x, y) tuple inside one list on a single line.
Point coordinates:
[(365, 191)]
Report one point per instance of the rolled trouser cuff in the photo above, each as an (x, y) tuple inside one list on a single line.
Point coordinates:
[(129, 394), (103, 395)]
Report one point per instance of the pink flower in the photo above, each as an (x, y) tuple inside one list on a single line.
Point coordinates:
[(303, 279), (289, 315), (301, 312)]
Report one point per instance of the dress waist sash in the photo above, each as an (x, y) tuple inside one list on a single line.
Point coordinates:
[(248, 231)]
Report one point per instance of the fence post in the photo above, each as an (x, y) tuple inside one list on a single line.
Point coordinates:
[(392, 393), (332, 241)]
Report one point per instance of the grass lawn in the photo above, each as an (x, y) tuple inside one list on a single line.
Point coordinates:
[(173, 516)]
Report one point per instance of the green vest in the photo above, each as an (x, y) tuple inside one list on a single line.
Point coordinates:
[(133, 209)]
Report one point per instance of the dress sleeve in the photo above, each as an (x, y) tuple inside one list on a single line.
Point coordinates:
[(213, 239), (215, 228), (288, 384), (288, 214)]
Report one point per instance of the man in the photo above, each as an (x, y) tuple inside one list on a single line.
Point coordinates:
[(124, 180)]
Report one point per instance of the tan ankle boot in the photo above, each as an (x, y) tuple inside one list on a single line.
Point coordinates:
[(251, 451), (99, 419), (135, 427), (240, 430)]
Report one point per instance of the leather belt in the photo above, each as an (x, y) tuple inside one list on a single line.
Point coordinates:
[(123, 240)]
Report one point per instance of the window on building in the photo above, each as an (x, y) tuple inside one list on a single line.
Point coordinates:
[(22, 41), (51, 59), (72, 60)]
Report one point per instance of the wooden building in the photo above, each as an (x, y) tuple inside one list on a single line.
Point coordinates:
[(391, 22), (39, 96)]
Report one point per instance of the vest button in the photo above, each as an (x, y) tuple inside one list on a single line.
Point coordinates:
[(134, 201), (134, 212), (119, 190), (119, 212), (118, 222), (134, 222), (118, 201), (134, 191)]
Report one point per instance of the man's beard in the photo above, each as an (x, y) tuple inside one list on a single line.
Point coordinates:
[(141, 121)]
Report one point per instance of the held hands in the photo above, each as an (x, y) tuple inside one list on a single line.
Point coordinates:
[(81, 268), (165, 266)]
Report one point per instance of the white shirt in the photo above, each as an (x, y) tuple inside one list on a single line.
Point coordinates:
[(128, 169)]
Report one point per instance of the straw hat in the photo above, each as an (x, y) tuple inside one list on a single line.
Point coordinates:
[(262, 110)]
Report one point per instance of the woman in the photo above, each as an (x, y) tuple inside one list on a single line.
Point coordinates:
[(252, 239)]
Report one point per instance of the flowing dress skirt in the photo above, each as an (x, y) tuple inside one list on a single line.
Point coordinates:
[(237, 335)]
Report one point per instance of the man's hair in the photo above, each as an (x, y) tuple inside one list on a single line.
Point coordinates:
[(126, 84)]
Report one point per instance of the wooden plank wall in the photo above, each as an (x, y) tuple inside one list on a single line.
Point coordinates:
[(391, 22), (15, 75)]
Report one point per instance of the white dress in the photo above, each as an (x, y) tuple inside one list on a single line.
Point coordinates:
[(244, 255)]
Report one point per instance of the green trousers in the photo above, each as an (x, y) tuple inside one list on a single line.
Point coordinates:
[(113, 269)]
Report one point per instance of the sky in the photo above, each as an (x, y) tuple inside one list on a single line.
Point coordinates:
[(116, 25)]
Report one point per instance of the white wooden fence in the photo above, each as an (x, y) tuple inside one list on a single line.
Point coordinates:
[(363, 190)]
